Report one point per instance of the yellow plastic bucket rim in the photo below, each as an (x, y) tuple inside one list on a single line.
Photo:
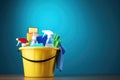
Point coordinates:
[(22, 48)]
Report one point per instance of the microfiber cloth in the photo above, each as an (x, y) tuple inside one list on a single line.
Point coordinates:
[(42, 39), (59, 58)]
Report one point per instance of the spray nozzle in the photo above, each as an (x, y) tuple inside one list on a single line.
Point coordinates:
[(49, 33)]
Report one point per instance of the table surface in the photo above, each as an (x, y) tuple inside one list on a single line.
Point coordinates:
[(95, 77)]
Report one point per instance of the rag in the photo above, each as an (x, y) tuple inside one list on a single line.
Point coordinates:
[(60, 59)]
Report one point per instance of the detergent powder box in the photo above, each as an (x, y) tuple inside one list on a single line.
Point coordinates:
[(30, 33)]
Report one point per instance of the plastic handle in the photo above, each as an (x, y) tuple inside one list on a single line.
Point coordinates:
[(38, 60)]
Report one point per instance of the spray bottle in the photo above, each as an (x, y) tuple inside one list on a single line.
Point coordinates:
[(23, 41), (34, 41), (49, 34)]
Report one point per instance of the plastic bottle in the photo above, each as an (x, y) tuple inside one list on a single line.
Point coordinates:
[(49, 34), (34, 41), (23, 41)]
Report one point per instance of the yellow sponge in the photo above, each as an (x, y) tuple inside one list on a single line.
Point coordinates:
[(33, 30)]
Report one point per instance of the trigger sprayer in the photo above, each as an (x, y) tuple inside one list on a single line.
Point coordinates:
[(23, 41)]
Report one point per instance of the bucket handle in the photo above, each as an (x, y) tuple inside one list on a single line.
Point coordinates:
[(37, 61)]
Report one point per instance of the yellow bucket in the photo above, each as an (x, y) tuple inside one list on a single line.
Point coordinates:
[(32, 78), (38, 61)]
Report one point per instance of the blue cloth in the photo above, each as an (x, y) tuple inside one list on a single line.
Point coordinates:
[(39, 39), (42, 39), (59, 58)]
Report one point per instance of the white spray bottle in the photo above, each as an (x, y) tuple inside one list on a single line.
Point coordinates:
[(49, 34), (34, 41)]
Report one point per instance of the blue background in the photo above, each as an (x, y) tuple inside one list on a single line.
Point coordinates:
[(89, 31)]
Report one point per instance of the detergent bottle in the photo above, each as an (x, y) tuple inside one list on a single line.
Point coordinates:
[(49, 34)]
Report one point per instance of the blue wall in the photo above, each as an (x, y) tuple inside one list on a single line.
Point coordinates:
[(89, 31)]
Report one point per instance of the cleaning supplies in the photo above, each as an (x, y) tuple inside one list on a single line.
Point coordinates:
[(60, 58), (30, 33), (49, 34), (38, 42), (56, 36), (34, 41), (57, 44), (56, 41), (42, 39), (33, 29), (23, 41), (60, 53), (39, 39)]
